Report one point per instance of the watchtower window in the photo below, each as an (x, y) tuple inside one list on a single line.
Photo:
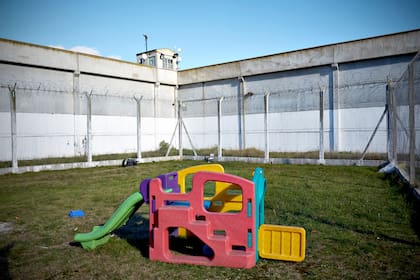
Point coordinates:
[(168, 63), (152, 61)]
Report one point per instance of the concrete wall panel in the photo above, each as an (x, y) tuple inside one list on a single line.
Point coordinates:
[(294, 131), (357, 125), (118, 134), (164, 130), (36, 79), (164, 102), (113, 144), (25, 53), (45, 135), (114, 86), (52, 101), (230, 128), (5, 137), (203, 132), (32, 147), (383, 46), (4, 99), (35, 55)]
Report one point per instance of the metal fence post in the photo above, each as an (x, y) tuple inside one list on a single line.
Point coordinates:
[(321, 127), (138, 103), (219, 129), (335, 113), (391, 145), (393, 110), (76, 107), (241, 113), (266, 132), (412, 124), (89, 127), (180, 129), (13, 139)]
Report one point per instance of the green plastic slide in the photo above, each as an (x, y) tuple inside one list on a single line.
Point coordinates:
[(101, 234)]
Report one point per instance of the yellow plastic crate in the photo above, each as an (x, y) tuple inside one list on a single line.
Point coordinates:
[(282, 243)]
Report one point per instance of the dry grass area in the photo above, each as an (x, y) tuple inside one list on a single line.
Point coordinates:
[(359, 224), (249, 152)]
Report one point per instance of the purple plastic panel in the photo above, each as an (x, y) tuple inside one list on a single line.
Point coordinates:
[(144, 189), (170, 181)]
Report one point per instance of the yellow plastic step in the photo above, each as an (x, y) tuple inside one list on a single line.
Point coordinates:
[(282, 243)]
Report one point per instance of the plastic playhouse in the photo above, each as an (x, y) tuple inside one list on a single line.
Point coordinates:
[(217, 218)]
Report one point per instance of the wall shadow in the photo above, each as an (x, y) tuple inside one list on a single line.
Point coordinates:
[(4, 262), (411, 196)]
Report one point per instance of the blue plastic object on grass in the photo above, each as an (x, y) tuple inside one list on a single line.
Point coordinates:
[(76, 213)]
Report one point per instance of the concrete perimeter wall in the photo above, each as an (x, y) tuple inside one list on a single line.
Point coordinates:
[(52, 89), (352, 77), (51, 100)]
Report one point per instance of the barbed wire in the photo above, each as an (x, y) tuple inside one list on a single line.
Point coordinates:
[(32, 87), (378, 85)]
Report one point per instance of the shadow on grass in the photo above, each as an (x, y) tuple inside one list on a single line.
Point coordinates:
[(136, 232), (413, 199), (343, 226), (411, 196), (4, 263)]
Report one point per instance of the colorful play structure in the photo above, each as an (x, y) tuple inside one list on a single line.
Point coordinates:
[(217, 218)]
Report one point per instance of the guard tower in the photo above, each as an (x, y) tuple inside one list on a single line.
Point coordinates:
[(160, 58)]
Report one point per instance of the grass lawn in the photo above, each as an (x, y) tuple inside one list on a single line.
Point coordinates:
[(359, 224)]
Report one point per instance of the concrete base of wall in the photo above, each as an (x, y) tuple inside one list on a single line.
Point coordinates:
[(344, 162), (64, 166)]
